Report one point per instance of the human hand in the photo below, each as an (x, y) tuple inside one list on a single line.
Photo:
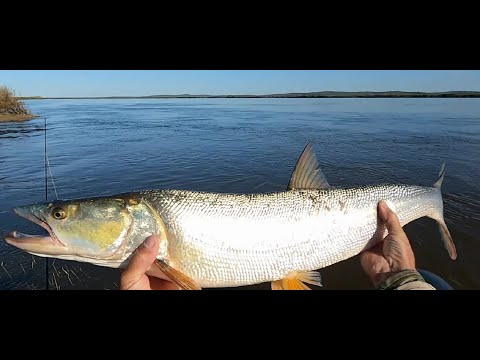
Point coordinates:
[(141, 273), (391, 255)]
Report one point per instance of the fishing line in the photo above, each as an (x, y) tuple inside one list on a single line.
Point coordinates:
[(47, 165), (51, 177), (46, 198)]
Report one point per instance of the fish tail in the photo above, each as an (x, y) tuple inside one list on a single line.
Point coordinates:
[(439, 218)]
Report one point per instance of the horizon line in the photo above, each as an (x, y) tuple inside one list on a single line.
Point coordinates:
[(286, 94)]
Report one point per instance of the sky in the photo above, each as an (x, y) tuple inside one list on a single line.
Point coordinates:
[(72, 83)]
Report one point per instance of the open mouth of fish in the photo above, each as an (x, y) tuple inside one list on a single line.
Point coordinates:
[(27, 241)]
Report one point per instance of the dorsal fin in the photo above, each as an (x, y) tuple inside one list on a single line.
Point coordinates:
[(441, 175), (307, 173)]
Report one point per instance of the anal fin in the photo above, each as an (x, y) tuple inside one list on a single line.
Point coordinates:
[(296, 280), (179, 278)]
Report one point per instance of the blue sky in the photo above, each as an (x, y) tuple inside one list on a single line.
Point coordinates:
[(51, 83)]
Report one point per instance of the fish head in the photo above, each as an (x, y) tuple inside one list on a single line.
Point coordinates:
[(104, 231)]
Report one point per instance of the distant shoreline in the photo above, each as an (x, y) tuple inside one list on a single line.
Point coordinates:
[(321, 94)]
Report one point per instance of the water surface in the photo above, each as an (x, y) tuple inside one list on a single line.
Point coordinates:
[(101, 147)]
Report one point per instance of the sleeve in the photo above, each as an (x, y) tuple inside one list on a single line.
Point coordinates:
[(416, 285), (405, 280)]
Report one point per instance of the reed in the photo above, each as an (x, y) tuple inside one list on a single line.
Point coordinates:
[(11, 108)]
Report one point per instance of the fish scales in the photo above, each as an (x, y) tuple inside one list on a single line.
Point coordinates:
[(238, 239)]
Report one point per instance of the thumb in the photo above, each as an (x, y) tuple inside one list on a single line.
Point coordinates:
[(141, 260), (389, 218)]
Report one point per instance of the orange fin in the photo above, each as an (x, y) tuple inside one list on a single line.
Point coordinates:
[(179, 278), (296, 280)]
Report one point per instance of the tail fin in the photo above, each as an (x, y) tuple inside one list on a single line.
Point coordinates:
[(438, 217), (447, 239)]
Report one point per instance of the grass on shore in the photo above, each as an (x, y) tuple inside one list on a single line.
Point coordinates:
[(11, 108)]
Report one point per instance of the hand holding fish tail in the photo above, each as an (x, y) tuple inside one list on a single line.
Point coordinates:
[(135, 277), (391, 263)]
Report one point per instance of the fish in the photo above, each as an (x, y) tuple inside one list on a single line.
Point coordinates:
[(214, 239)]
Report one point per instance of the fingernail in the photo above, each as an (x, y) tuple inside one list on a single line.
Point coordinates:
[(149, 242), (382, 210)]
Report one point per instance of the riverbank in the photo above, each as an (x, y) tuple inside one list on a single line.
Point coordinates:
[(20, 117), (12, 108)]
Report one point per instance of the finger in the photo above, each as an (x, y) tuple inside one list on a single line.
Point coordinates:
[(159, 284), (389, 218), (368, 257), (376, 250), (141, 260), (374, 264)]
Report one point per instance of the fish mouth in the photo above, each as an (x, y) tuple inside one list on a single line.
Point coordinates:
[(49, 244), (22, 240)]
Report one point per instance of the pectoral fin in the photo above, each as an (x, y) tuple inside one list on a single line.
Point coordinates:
[(179, 278), (296, 280)]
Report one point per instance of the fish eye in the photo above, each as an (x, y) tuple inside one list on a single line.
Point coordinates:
[(58, 213)]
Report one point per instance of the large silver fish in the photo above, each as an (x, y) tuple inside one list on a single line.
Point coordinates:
[(229, 240)]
